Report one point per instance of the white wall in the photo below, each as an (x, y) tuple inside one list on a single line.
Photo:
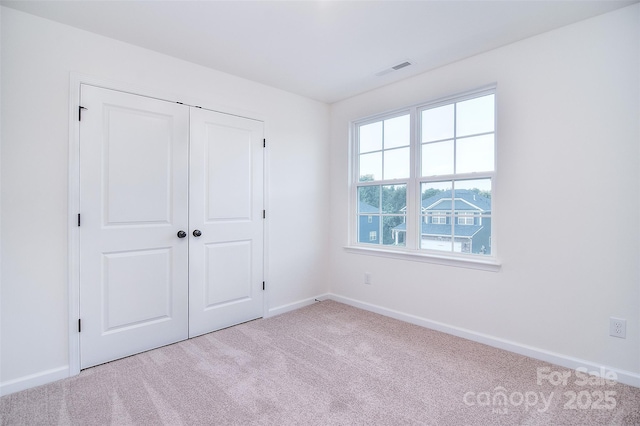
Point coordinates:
[(37, 58), (567, 199)]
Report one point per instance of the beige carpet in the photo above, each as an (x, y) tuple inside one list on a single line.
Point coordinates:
[(325, 364)]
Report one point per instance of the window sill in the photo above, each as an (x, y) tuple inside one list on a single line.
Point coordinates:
[(492, 264)]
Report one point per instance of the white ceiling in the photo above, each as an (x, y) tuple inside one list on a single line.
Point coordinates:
[(326, 50)]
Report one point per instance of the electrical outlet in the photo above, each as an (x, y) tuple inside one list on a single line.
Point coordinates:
[(618, 327), (367, 278)]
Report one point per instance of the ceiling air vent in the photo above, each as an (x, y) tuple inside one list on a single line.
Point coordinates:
[(393, 68), (402, 65)]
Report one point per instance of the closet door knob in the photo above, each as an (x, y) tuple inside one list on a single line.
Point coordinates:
[(197, 233), (182, 234)]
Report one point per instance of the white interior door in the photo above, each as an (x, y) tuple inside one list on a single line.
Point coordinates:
[(134, 200), (226, 208)]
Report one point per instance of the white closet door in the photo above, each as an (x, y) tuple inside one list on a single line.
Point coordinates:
[(226, 208), (134, 200)]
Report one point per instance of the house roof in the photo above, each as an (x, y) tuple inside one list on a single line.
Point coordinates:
[(444, 230), (367, 208), (445, 204), (465, 199)]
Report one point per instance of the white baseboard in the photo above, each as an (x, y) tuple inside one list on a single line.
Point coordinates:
[(626, 377), (295, 305), (34, 380)]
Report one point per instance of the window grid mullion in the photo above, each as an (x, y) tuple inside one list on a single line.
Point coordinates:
[(355, 177), (382, 155), (414, 171), (455, 171), (380, 220)]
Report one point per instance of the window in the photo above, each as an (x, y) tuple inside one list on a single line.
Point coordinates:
[(373, 235), (384, 155), (423, 176), (465, 218), (439, 218)]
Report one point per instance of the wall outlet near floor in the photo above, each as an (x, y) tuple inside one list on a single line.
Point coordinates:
[(618, 327), (367, 278)]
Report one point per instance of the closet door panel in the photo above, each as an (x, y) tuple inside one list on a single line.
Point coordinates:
[(226, 204), (133, 201)]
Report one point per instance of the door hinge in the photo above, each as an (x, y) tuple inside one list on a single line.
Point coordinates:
[(80, 108), (264, 214), (78, 219), (79, 325), (264, 143), (263, 285)]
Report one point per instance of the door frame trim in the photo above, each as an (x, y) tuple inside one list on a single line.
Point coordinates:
[(76, 80)]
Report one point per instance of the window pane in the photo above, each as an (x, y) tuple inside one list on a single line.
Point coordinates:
[(393, 230), (370, 167), (436, 223), (475, 116), (472, 216), (437, 158), (475, 154), (394, 198), (396, 163), (369, 199), (437, 123), (396, 132), (370, 137), (369, 229)]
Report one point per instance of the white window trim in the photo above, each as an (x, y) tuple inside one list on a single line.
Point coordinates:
[(486, 263), (481, 263)]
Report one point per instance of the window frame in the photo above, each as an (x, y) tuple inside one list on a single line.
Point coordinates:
[(411, 249)]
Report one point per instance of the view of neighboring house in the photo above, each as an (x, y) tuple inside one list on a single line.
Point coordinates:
[(470, 219), (369, 224)]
